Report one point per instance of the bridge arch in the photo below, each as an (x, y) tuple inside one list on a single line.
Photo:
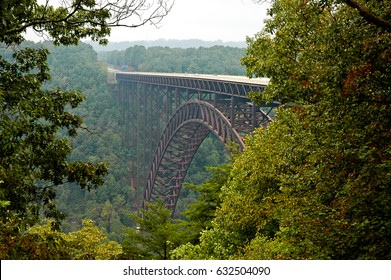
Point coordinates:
[(183, 135)]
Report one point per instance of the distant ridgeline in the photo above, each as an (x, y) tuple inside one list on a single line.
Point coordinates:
[(221, 60), (184, 44)]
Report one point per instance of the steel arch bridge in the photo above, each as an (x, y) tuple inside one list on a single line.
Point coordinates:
[(178, 112)]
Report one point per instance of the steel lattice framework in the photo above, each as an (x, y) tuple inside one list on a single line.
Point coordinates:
[(179, 111), (184, 133)]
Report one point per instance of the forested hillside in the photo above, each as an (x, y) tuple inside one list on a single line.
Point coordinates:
[(171, 43), (213, 60), (77, 67)]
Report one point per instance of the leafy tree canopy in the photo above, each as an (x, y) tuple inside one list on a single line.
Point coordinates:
[(33, 157), (76, 19), (44, 242), (156, 233)]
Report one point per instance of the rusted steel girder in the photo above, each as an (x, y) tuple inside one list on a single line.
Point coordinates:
[(184, 133)]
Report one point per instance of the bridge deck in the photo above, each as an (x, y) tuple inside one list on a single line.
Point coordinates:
[(226, 78), (220, 84)]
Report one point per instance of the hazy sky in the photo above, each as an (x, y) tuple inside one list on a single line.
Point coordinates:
[(226, 20), (210, 20)]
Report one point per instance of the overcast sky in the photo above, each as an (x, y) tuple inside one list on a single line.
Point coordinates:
[(226, 20), (210, 20)]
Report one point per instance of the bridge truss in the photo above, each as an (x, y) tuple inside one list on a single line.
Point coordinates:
[(177, 112)]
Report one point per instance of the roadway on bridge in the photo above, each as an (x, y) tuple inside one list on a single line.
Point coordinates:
[(227, 78)]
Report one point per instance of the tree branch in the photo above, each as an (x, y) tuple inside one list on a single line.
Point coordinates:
[(368, 15), (89, 16)]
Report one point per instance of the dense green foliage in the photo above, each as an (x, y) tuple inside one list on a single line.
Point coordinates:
[(213, 60), (33, 156), (78, 68), (156, 233), (33, 153), (316, 183), (44, 242), (201, 212), (38, 122)]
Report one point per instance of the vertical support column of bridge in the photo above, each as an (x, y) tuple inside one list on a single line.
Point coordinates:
[(142, 139), (156, 109), (170, 95), (152, 110), (233, 106), (254, 115), (149, 109), (123, 92), (153, 118), (177, 98), (164, 99), (138, 131), (215, 100), (123, 99), (129, 114), (133, 126), (145, 132)]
